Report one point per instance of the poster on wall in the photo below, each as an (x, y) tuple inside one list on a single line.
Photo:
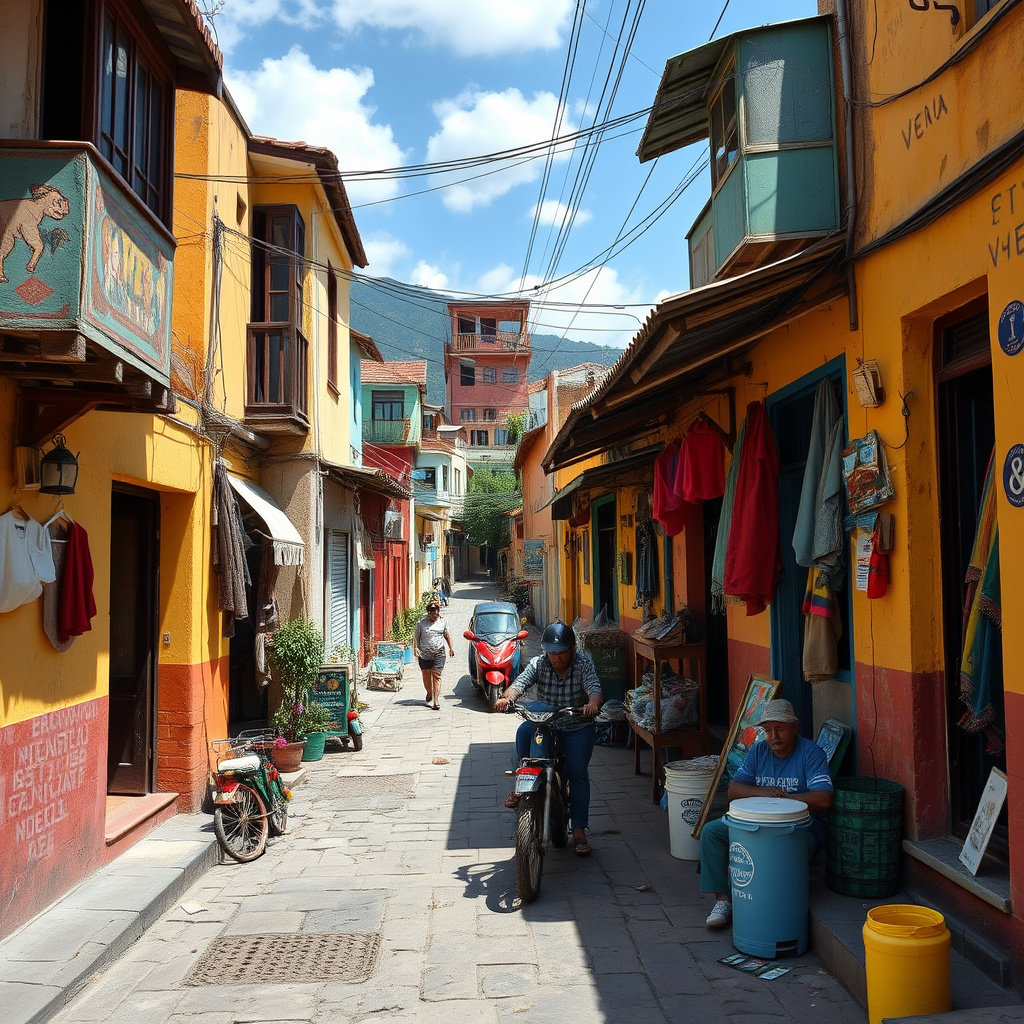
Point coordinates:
[(533, 559)]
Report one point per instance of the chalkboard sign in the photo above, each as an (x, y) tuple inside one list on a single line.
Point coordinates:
[(332, 691)]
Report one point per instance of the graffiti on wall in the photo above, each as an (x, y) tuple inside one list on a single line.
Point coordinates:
[(1007, 212), (924, 119), (924, 5)]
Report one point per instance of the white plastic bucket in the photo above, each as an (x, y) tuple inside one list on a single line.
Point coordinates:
[(686, 786)]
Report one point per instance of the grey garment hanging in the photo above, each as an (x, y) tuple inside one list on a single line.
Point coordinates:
[(829, 538), (826, 414), (51, 591)]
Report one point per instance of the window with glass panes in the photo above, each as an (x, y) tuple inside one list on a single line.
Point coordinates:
[(478, 438), (277, 265), (489, 374), (388, 405), (724, 131)]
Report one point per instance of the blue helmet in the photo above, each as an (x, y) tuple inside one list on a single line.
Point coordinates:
[(558, 637)]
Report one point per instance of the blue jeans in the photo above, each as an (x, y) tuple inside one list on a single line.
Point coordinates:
[(577, 747), (714, 855)]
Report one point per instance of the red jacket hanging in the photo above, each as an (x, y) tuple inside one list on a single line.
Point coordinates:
[(671, 511), (701, 472), (77, 606), (753, 558)]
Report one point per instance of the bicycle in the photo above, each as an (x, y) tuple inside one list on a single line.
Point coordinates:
[(251, 801)]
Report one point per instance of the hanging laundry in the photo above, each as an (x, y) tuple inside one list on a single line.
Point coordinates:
[(822, 629), (826, 415), (700, 475), (51, 591), (724, 525), (830, 546), (26, 561), (753, 559), (981, 665), (669, 509), (77, 607), (228, 552), (646, 563)]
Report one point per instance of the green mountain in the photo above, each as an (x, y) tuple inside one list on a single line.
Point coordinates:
[(408, 322)]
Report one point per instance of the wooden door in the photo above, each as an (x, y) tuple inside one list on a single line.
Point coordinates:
[(134, 589)]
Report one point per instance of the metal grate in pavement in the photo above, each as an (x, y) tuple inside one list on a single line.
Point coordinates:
[(364, 786), (276, 959)]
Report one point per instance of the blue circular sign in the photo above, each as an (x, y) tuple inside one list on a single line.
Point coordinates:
[(1013, 475), (1011, 328)]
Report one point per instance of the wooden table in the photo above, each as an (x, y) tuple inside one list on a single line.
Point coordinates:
[(691, 741)]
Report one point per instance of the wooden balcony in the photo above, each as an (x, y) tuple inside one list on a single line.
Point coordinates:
[(277, 379), (387, 431), (499, 342), (85, 289)]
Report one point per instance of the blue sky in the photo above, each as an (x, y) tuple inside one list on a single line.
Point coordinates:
[(398, 83)]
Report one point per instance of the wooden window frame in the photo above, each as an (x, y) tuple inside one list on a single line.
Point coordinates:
[(476, 435), (726, 130), (332, 329), (467, 375), (390, 399), (265, 259), (147, 53)]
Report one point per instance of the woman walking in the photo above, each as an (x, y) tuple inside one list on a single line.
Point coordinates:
[(428, 642)]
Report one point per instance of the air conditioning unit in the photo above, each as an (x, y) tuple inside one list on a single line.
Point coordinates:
[(393, 525)]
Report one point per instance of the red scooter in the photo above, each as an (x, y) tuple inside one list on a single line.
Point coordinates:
[(494, 663)]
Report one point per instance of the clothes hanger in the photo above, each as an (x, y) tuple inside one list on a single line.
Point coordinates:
[(61, 512), (16, 509)]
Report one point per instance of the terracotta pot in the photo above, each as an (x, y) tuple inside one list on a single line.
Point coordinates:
[(289, 757)]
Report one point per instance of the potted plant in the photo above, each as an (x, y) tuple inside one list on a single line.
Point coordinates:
[(297, 652), (316, 720)]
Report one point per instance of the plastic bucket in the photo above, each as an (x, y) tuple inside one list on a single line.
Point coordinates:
[(863, 847), (686, 786), (768, 875), (906, 952), (313, 748)]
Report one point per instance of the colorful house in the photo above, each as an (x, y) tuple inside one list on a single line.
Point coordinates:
[(856, 265)]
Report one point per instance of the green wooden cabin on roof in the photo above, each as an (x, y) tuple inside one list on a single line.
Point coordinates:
[(765, 98)]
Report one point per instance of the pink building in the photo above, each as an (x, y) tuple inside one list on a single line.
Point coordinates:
[(485, 368)]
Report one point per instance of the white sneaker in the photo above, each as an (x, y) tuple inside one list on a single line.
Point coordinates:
[(721, 914)]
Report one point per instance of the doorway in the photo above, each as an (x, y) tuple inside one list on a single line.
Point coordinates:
[(134, 622), (966, 438), (791, 413), (605, 557)]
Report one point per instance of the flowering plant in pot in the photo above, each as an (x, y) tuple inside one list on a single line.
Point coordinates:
[(297, 652)]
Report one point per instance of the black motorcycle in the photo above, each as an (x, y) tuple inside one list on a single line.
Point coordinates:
[(542, 785)]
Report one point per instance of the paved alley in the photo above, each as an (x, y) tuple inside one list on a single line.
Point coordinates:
[(395, 890)]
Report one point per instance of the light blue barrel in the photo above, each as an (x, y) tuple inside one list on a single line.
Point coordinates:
[(768, 875)]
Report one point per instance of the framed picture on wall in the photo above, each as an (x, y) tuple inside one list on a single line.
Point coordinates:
[(743, 734)]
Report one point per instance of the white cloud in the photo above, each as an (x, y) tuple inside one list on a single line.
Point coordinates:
[(471, 27), (427, 276), (383, 251), (553, 212), (488, 122), (599, 290), (291, 99)]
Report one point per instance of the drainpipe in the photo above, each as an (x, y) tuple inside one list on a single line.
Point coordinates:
[(846, 64)]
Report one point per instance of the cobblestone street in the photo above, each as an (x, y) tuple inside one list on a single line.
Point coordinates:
[(405, 849)]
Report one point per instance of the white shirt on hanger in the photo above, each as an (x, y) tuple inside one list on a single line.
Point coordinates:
[(26, 561)]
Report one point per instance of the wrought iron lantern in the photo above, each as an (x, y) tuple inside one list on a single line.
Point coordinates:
[(58, 469)]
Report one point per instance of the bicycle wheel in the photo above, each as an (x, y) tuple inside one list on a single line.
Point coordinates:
[(242, 827), (529, 849)]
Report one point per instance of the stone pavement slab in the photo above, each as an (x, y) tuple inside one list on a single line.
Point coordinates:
[(423, 859)]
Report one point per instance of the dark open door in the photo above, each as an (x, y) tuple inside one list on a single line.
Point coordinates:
[(134, 588), (606, 568)]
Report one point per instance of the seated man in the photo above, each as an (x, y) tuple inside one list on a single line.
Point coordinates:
[(783, 764)]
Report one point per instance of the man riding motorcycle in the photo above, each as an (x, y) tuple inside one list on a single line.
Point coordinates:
[(564, 677)]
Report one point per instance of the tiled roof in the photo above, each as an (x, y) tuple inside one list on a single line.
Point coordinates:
[(409, 372), (537, 385)]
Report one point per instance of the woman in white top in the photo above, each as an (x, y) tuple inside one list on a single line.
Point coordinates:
[(428, 643)]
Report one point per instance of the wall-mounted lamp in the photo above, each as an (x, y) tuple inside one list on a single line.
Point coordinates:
[(58, 469)]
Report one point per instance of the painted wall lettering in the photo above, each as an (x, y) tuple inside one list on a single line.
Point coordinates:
[(923, 5), (47, 770), (1007, 204), (922, 121)]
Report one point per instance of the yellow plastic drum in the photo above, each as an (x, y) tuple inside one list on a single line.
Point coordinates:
[(907, 957)]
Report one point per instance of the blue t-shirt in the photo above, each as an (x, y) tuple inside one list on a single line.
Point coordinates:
[(804, 771)]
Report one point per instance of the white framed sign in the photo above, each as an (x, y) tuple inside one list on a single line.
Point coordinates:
[(989, 806)]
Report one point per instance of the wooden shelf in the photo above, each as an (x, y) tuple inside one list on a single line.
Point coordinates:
[(692, 741)]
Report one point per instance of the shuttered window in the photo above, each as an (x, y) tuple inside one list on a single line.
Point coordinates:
[(337, 586)]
